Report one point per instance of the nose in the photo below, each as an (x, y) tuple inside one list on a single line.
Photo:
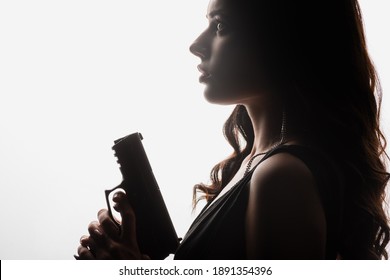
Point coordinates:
[(197, 50), (199, 47)]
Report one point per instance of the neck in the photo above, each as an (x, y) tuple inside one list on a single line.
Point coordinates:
[(267, 118)]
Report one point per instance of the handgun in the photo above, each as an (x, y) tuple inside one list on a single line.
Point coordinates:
[(155, 232)]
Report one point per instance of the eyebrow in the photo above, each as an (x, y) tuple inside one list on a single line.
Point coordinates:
[(215, 13)]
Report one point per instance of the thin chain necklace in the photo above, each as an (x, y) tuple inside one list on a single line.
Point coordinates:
[(282, 137)]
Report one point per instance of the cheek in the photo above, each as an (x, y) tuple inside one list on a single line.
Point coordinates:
[(228, 60), (235, 72)]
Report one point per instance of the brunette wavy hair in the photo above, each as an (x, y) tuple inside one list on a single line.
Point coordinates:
[(316, 55)]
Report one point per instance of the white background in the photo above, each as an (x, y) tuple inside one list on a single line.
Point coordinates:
[(277, 270), (76, 75)]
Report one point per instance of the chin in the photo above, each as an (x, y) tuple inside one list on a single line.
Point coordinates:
[(217, 98), (221, 96)]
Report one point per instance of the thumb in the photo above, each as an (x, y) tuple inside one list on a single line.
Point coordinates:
[(128, 226)]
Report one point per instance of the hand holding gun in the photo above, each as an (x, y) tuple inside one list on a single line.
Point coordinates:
[(146, 230)]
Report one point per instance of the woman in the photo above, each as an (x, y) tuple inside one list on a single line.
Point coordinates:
[(307, 177)]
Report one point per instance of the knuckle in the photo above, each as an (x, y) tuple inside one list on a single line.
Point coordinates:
[(103, 216), (83, 252), (106, 222), (111, 247), (79, 249), (93, 225), (84, 239), (97, 236), (101, 212)]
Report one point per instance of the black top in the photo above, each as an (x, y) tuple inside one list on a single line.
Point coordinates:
[(219, 230)]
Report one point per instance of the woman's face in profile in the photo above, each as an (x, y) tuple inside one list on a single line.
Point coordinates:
[(229, 67)]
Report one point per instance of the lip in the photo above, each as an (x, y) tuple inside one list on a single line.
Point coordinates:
[(205, 76)]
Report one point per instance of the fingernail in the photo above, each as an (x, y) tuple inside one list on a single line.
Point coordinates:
[(98, 232)]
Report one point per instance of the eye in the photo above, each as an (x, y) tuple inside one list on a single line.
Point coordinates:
[(220, 26)]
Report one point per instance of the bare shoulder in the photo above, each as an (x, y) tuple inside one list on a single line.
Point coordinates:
[(285, 218), (282, 170)]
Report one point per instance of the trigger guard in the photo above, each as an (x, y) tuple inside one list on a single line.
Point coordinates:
[(107, 194)]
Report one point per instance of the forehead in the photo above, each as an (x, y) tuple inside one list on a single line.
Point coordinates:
[(222, 6)]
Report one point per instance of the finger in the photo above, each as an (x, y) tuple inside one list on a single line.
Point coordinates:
[(108, 225), (84, 253), (97, 234), (118, 198), (101, 252), (128, 231), (89, 242), (84, 240), (119, 195), (98, 243)]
